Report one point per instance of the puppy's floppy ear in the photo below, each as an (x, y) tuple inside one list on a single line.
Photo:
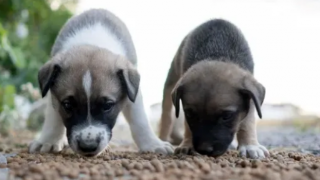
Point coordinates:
[(176, 96), (255, 91), (47, 75), (130, 81)]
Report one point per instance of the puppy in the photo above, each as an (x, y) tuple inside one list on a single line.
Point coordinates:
[(212, 75), (91, 77)]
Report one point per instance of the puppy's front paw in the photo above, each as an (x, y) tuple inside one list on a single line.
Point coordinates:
[(186, 150), (47, 146), (253, 151), (157, 146)]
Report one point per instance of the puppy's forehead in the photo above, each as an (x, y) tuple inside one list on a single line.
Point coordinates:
[(212, 86), (212, 96), (222, 100), (89, 72)]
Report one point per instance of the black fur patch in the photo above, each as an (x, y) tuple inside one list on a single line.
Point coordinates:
[(50, 82)]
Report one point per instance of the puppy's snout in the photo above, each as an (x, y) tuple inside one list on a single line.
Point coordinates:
[(89, 145), (89, 140), (205, 148)]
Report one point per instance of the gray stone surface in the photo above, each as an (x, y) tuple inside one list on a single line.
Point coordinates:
[(3, 171), (3, 159), (290, 137)]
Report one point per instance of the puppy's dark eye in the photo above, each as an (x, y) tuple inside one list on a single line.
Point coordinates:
[(107, 106), (67, 105), (227, 115)]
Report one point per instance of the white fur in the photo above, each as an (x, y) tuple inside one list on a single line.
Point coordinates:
[(97, 35), (87, 83), (234, 144), (141, 130), (253, 151), (53, 135), (88, 135)]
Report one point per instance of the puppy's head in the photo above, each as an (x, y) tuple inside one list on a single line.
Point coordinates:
[(89, 86), (216, 98)]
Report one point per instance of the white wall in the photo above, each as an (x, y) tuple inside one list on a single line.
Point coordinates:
[(275, 112)]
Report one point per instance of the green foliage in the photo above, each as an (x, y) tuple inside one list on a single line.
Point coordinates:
[(6, 105), (28, 29), (7, 97), (35, 120), (21, 57)]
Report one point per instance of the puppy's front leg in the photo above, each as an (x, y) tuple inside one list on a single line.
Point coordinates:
[(141, 131), (186, 146), (247, 138), (53, 135), (167, 123)]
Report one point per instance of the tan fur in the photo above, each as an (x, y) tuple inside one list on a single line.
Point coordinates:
[(102, 65), (166, 123), (186, 146), (171, 133), (247, 132)]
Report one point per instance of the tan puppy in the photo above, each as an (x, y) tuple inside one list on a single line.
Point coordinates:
[(212, 75), (91, 77)]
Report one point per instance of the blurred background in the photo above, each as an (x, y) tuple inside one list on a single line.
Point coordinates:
[(283, 35)]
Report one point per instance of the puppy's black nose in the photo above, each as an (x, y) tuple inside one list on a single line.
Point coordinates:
[(88, 145), (205, 149)]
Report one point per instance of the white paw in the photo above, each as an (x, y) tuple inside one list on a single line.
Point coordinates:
[(157, 146), (47, 146), (233, 145), (253, 151)]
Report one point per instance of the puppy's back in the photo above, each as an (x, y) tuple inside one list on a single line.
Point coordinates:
[(217, 40), (97, 27)]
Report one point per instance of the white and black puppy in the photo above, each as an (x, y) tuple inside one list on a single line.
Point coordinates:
[(91, 77), (212, 75)]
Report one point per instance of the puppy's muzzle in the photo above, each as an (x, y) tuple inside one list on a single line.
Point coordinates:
[(90, 140), (208, 149), (205, 148), (89, 145)]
